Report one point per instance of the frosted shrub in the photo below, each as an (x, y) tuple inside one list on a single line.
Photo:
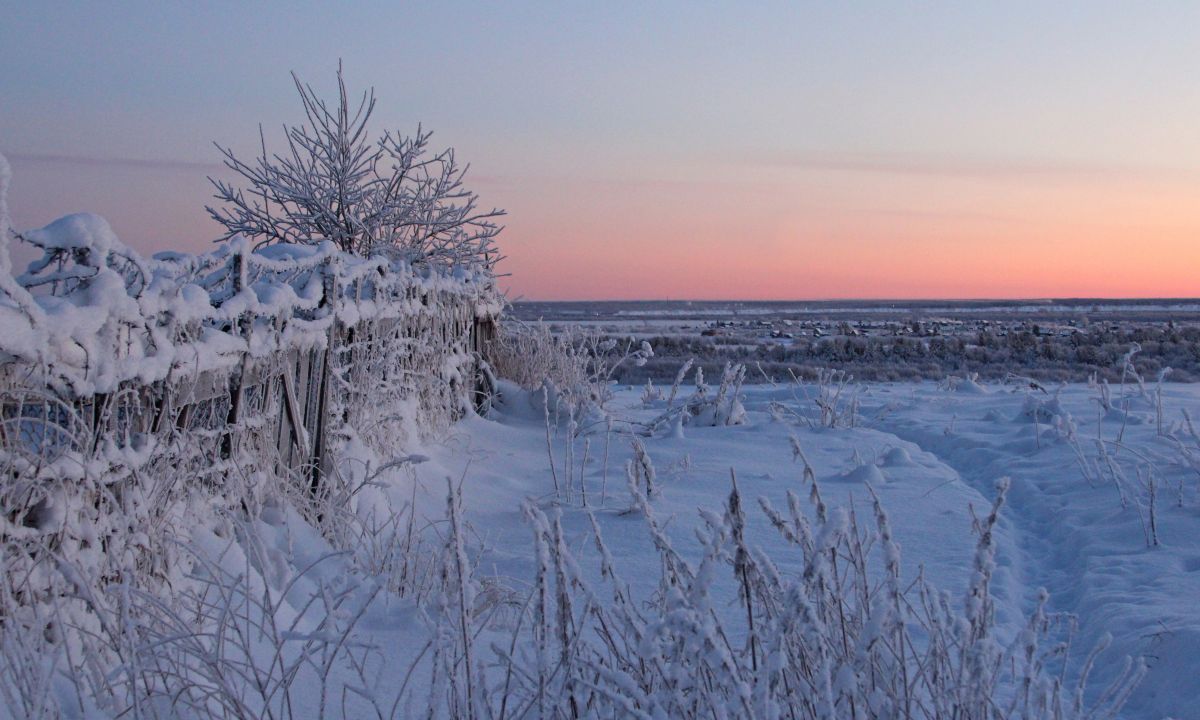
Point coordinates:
[(836, 397), (335, 184)]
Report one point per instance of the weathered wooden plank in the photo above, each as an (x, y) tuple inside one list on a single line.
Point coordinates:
[(298, 432), (321, 465)]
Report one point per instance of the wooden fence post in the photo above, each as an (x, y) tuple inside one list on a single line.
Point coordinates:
[(321, 463), (483, 331), (237, 380)]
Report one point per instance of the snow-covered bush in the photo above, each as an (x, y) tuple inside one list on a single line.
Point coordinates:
[(333, 183)]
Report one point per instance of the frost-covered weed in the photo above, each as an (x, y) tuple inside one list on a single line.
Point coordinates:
[(572, 371), (641, 469), (836, 639), (1188, 447), (703, 407), (679, 376), (578, 363), (1111, 460), (843, 635), (651, 394), (208, 615), (833, 393)]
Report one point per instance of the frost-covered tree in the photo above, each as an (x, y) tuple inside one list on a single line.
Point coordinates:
[(332, 182)]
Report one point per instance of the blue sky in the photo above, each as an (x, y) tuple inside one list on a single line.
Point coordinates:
[(663, 149)]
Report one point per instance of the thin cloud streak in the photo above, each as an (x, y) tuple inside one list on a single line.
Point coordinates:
[(136, 163), (969, 166)]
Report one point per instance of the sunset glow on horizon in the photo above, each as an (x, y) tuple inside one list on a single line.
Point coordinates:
[(719, 152), (986, 241)]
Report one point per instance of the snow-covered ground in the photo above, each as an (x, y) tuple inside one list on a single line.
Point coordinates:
[(933, 455), (1080, 521)]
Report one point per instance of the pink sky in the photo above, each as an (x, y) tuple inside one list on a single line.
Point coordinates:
[(853, 234)]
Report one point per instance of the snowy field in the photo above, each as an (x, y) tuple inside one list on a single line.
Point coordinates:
[(1080, 521), (932, 454)]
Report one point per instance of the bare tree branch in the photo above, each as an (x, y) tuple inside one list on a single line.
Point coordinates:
[(390, 195)]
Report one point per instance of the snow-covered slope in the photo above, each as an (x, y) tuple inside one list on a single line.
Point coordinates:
[(933, 455)]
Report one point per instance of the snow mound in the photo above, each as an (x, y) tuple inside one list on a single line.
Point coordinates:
[(79, 231), (898, 457), (971, 387), (864, 474)]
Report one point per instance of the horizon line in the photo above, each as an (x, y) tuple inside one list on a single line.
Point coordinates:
[(1034, 299)]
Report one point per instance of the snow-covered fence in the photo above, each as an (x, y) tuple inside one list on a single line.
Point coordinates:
[(234, 361)]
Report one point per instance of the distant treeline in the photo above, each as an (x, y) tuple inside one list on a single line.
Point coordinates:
[(878, 358)]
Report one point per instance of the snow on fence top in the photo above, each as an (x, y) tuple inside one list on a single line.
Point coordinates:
[(94, 314)]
